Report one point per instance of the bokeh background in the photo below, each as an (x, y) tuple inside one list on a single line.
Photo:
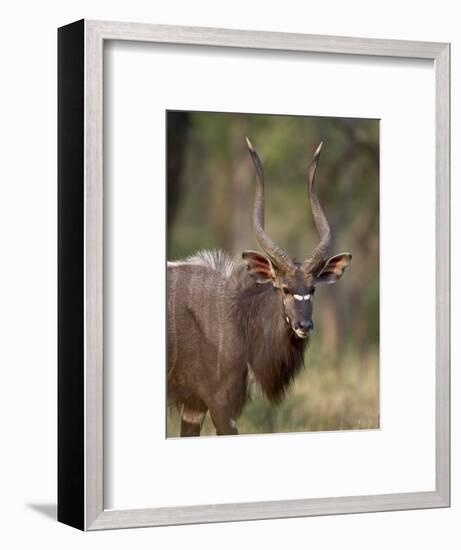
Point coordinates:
[(210, 190)]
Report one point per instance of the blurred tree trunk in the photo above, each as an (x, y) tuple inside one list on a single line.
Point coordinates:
[(334, 320), (368, 251), (337, 325), (178, 125)]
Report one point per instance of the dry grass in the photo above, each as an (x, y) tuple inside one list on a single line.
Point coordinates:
[(323, 398)]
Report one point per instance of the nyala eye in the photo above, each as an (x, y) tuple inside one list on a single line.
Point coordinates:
[(285, 290)]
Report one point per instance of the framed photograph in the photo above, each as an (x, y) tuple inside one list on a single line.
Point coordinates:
[(257, 309), (254, 235)]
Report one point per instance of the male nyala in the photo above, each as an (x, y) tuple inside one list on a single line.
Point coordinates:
[(235, 321)]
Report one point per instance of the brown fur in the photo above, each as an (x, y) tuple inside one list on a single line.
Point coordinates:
[(221, 324), (272, 350)]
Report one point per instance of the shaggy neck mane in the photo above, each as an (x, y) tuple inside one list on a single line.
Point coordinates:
[(273, 352)]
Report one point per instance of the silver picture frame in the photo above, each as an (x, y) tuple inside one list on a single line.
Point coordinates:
[(80, 319)]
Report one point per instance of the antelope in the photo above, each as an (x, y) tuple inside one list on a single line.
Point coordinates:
[(237, 321)]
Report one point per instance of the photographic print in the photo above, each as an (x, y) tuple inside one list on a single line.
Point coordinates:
[(228, 275), (272, 273)]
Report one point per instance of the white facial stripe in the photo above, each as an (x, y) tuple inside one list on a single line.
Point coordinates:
[(301, 298)]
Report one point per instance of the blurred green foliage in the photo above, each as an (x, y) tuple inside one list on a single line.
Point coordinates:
[(210, 200)]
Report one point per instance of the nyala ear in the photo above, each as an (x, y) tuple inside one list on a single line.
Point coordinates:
[(259, 266), (334, 268)]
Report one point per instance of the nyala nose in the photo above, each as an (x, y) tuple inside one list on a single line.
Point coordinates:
[(306, 326)]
